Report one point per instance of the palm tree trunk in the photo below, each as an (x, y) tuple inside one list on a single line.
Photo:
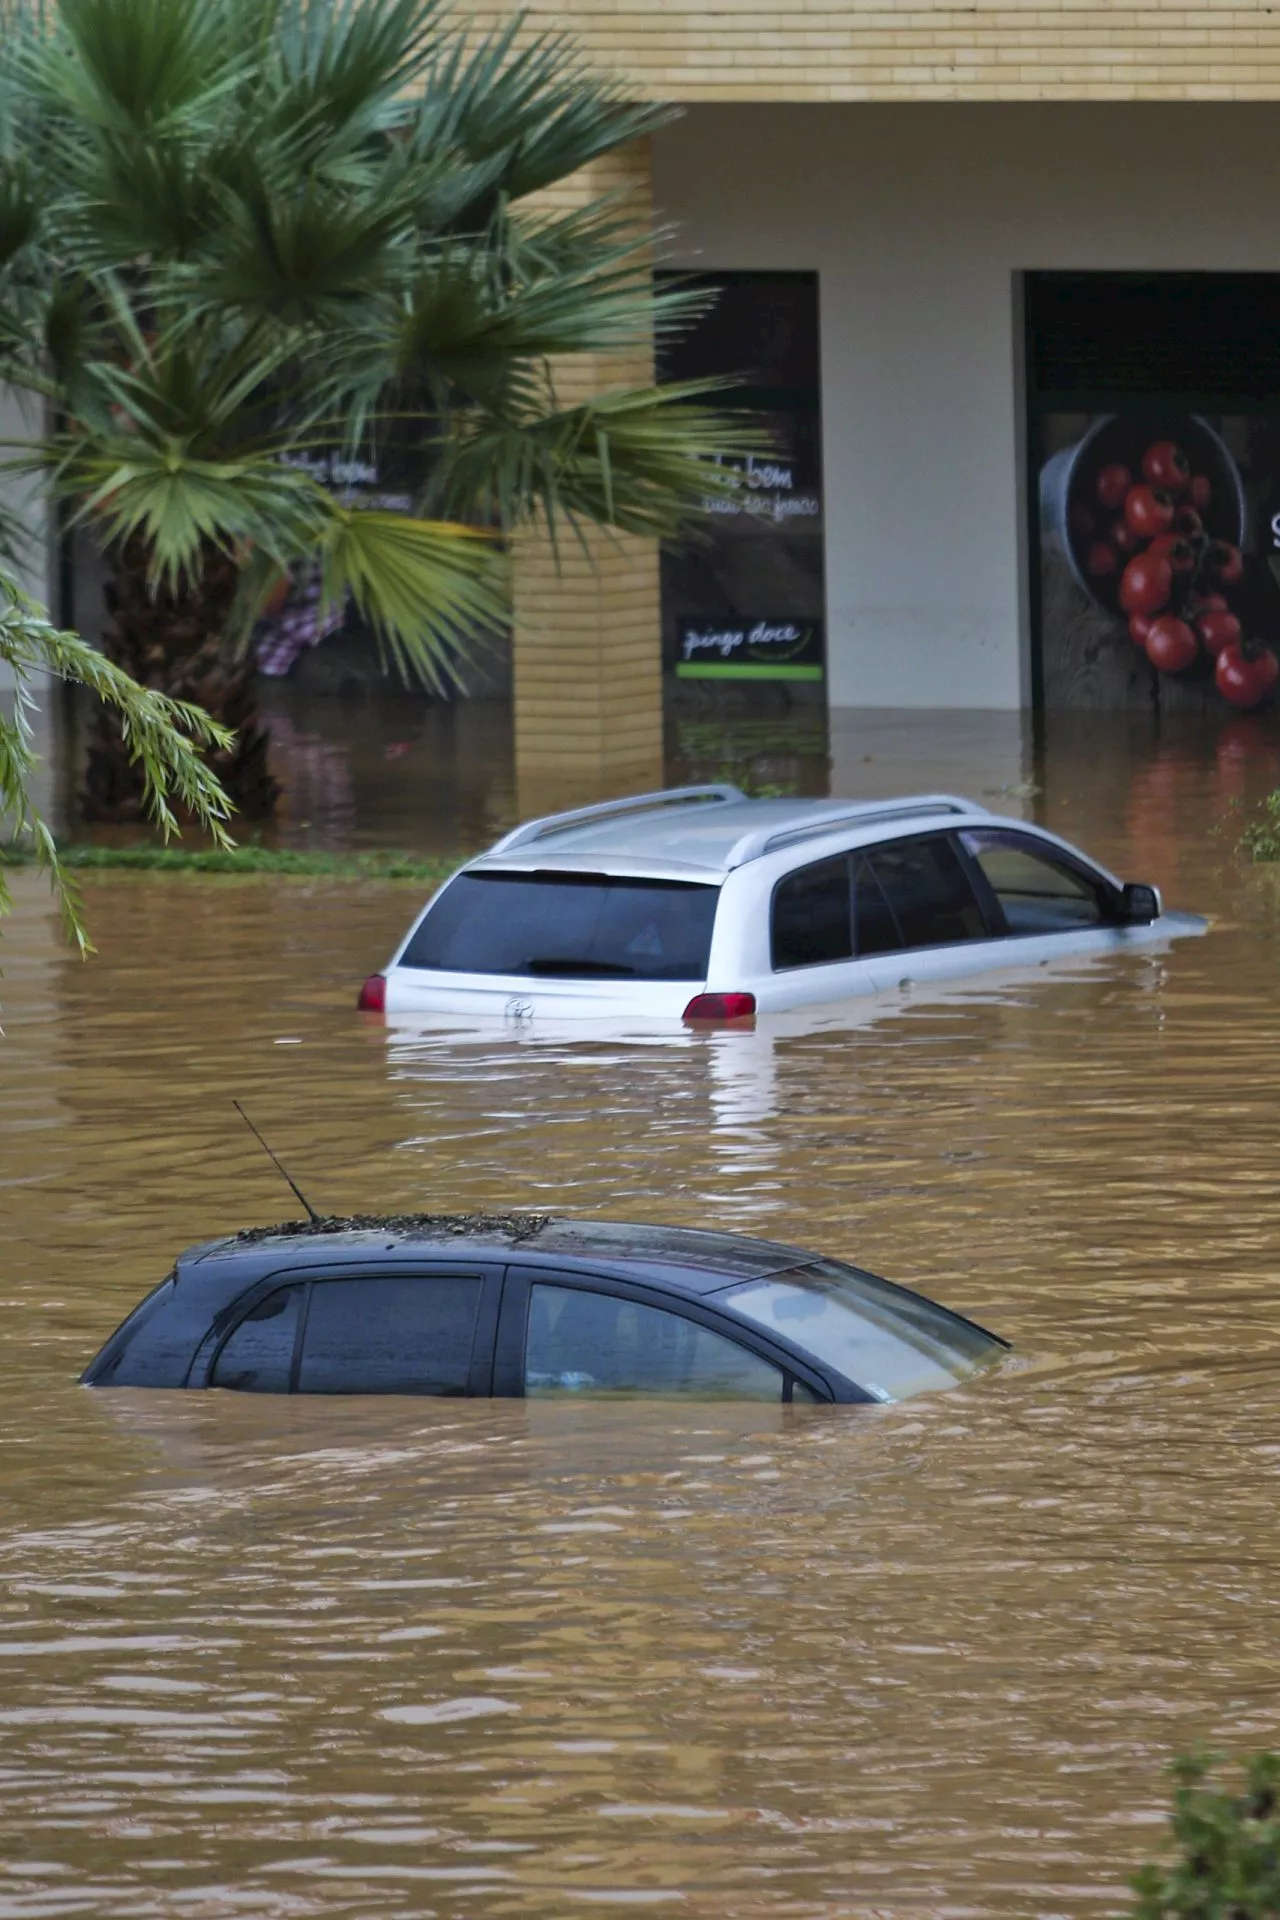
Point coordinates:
[(175, 640)]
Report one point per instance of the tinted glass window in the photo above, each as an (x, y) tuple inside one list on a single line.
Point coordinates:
[(812, 920), (1037, 893), (595, 1343), (258, 1358), (876, 928), (392, 1335), (891, 1342), (567, 925), (927, 891)]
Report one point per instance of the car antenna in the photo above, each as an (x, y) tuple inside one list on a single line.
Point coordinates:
[(281, 1169)]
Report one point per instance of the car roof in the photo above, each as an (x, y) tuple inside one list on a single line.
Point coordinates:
[(691, 1259), (708, 831)]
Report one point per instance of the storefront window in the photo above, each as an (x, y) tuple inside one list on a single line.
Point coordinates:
[(746, 601), (1155, 449)]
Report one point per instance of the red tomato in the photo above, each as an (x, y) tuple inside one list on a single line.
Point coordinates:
[(1227, 562), (1218, 629), (1188, 523), (1139, 628), (1166, 465), (1102, 560), (1180, 553), (1171, 645), (1122, 536), (1246, 678), (1112, 484), (1149, 510), (1146, 583), (1208, 603), (1200, 493)]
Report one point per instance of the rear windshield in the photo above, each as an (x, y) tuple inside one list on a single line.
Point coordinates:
[(888, 1340), (567, 925)]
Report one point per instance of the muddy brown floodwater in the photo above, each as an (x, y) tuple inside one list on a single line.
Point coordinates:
[(263, 1657)]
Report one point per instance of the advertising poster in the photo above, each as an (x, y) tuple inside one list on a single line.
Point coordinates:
[(1159, 570), (744, 599)]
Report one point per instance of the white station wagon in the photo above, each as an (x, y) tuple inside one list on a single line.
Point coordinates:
[(698, 904)]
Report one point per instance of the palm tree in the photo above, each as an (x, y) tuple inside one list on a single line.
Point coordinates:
[(161, 738), (240, 236)]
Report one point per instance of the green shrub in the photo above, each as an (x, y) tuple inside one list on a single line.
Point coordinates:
[(1261, 839), (1226, 1859)]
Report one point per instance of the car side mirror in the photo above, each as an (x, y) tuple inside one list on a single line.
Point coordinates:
[(1139, 905)]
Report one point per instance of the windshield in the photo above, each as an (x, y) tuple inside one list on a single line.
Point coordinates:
[(890, 1342), (571, 925)]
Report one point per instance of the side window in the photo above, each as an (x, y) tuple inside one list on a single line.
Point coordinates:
[(927, 892), (258, 1358), (812, 920), (398, 1334), (596, 1343), (1037, 893), (876, 930)]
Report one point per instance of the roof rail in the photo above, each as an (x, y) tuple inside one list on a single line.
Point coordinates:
[(753, 846), (553, 823)]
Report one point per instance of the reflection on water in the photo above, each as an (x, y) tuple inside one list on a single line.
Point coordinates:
[(284, 1658)]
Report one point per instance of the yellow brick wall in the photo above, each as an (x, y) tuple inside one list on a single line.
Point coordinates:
[(587, 656), (1042, 50)]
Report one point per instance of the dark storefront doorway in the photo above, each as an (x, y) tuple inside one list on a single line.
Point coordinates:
[(746, 601), (1168, 383)]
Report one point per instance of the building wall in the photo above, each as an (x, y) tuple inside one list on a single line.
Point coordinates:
[(586, 655), (918, 219), (727, 50)]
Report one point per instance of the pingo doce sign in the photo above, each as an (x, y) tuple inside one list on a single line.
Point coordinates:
[(752, 649)]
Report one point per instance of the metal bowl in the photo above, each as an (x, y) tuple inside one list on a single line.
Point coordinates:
[(1068, 480)]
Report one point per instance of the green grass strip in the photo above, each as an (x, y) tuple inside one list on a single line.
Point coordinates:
[(251, 859)]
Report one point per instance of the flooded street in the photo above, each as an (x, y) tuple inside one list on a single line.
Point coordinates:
[(272, 1657)]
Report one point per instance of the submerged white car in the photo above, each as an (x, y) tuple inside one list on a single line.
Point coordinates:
[(698, 904)]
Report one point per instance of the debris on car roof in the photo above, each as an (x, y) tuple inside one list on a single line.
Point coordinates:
[(513, 1226)]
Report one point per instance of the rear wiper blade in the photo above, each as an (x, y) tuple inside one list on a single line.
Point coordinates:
[(553, 963)]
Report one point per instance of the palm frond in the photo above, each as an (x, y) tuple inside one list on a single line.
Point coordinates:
[(164, 736), (642, 460), (19, 209), (468, 320), (182, 506), (128, 197), (145, 67), (209, 383), (430, 590), (532, 100), (346, 65), (303, 259)]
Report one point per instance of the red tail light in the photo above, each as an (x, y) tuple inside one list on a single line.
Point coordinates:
[(721, 1006), (373, 995)]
